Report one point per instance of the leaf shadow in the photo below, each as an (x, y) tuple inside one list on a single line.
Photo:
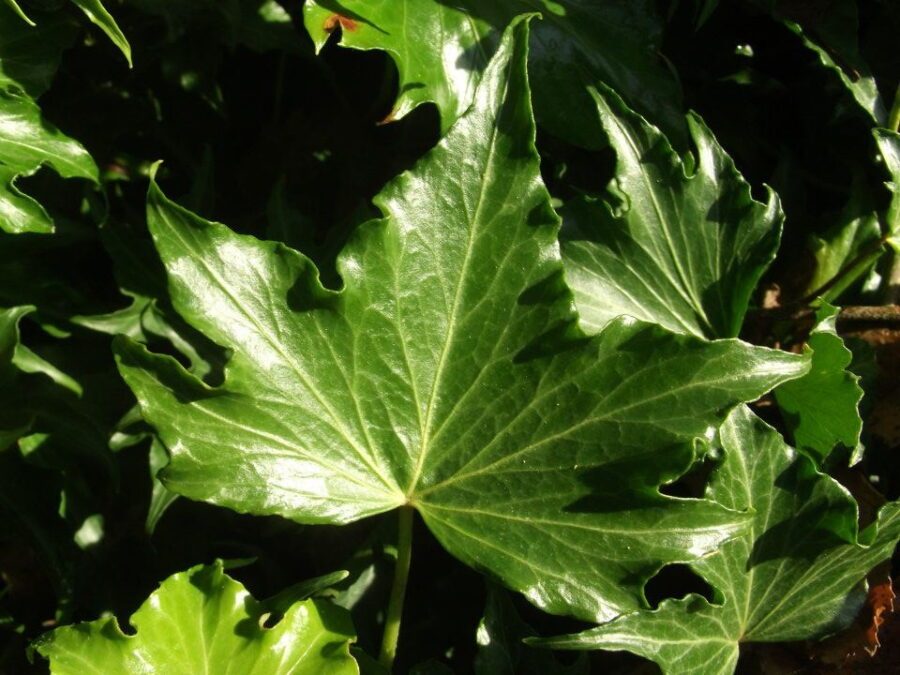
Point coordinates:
[(817, 525)]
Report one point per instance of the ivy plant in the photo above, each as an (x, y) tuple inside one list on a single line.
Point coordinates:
[(462, 334)]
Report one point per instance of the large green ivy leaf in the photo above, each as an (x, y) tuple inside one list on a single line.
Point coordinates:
[(797, 574), (675, 243), (441, 49), (26, 142), (447, 376), (202, 621), (822, 408)]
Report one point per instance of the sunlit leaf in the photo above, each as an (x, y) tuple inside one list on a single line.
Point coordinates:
[(680, 245), (27, 142), (821, 408), (442, 48), (447, 376), (202, 621), (798, 574)]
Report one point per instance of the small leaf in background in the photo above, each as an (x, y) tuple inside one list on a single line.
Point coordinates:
[(202, 621), (29, 58), (889, 145), (848, 249), (17, 362), (161, 499), (96, 12), (797, 574), (821, 409), (831, 32), (37, 546), (447, 376), (14, 6), (501, 650), (673, 244), (441, 50)]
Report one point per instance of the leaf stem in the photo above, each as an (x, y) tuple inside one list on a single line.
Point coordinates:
[(894, 117), (398, 591), (856, 266)]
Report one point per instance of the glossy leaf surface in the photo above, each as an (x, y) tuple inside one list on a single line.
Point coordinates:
[(446, 375), (202, 621), (680, 247), (26, 142), (822, 407), (442, 48), (797, 574)]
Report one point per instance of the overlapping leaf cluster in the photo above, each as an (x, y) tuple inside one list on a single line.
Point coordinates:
[(538, 319)]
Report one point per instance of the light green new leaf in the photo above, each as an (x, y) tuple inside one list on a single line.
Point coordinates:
[(96, 12), (202, 621), (680, 248), (441, 49), (446, 375), (27, 142), (821, 408), (798, 574)]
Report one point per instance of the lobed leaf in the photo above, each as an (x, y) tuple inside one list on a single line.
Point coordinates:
[(202, 621), (677, 243), (442, 49), (798, 573), (821, 409), (446, 376)]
